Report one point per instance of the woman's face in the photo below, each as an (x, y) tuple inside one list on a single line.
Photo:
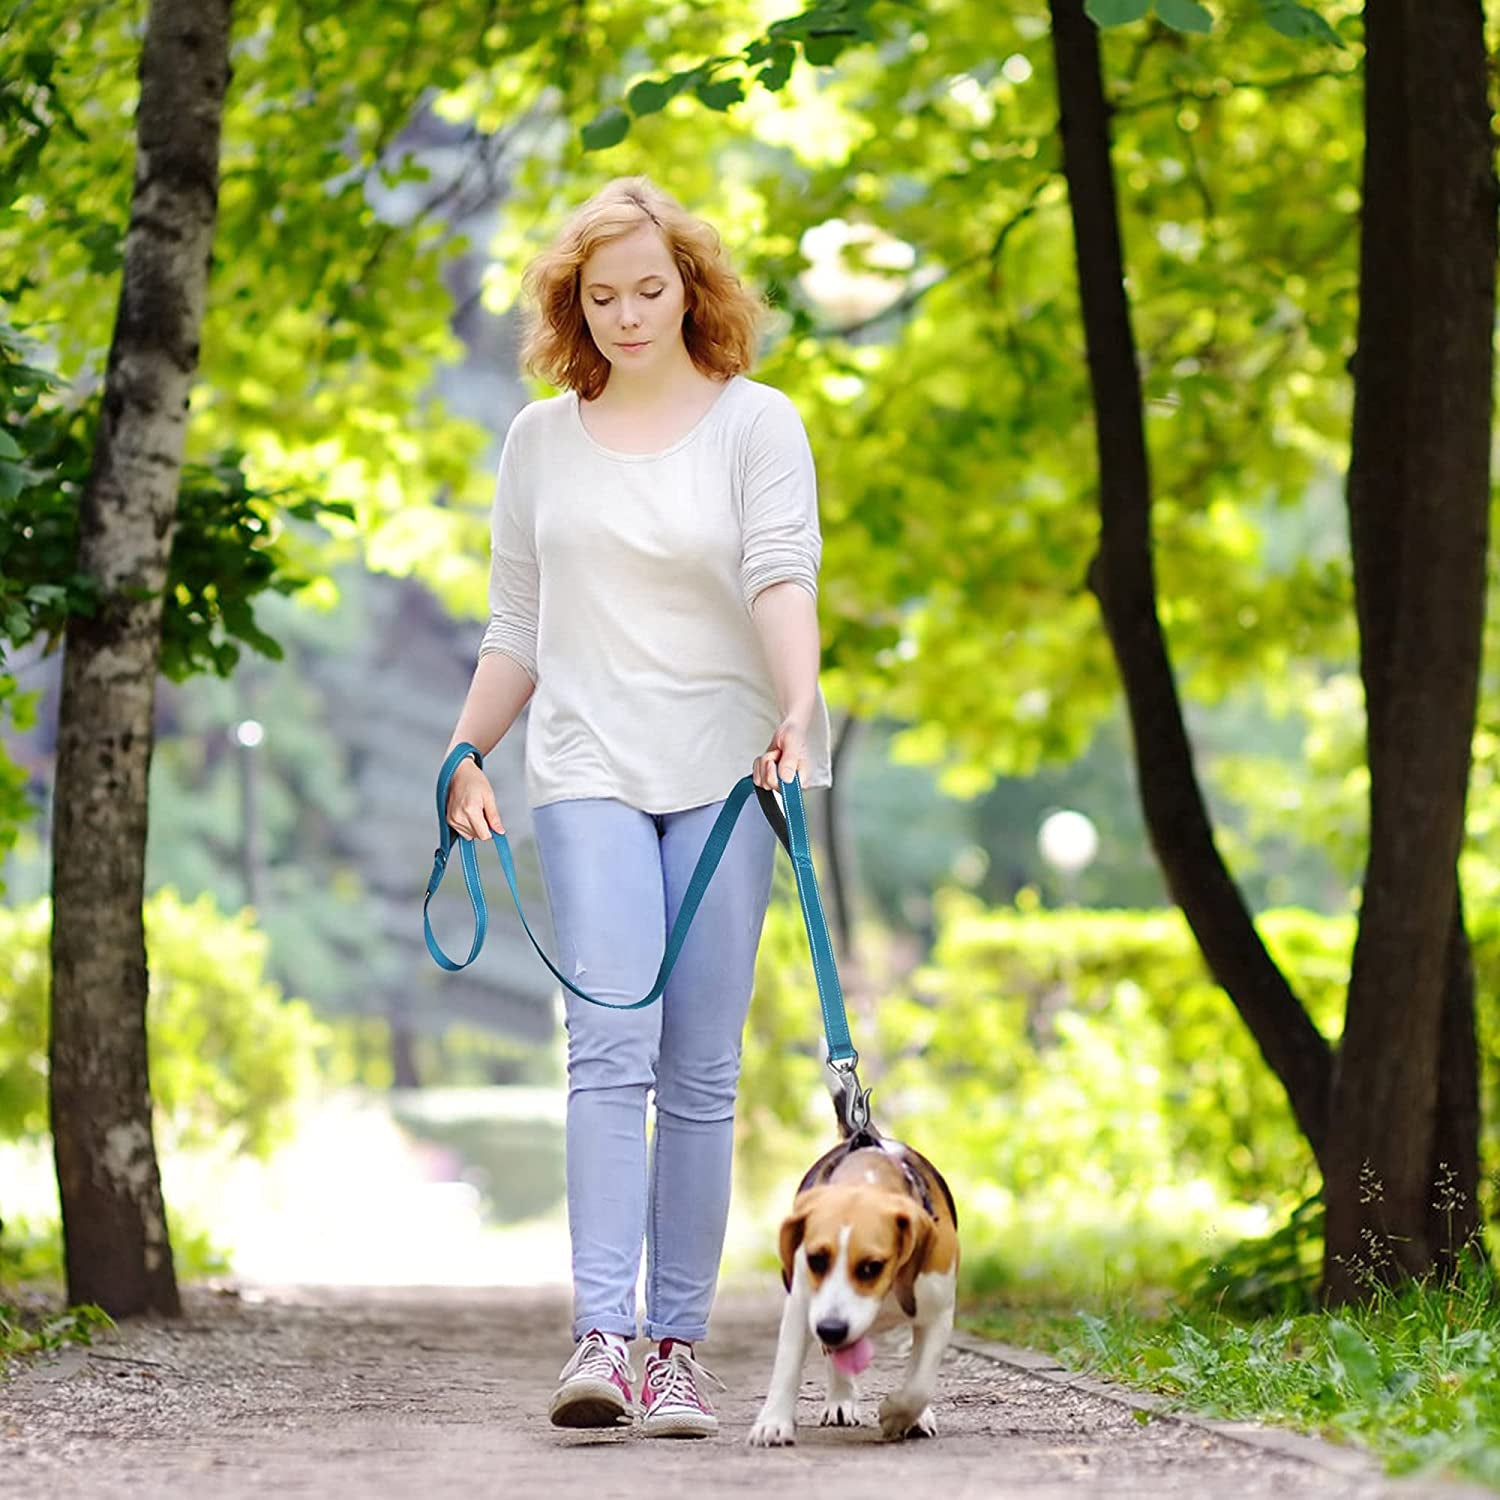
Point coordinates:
[(633, 300)]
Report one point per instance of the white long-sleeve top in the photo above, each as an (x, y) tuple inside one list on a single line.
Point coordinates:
[(622, 583)]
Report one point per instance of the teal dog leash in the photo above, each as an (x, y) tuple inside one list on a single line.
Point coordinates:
[(792, 832)]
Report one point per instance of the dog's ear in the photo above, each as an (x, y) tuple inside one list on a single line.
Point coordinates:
[(913, 1230), (792, 1229)]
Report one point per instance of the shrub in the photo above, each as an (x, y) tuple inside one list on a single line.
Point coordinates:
[(228, 1055), (1099, 1106)]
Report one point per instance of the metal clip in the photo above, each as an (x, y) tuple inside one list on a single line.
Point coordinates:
[(854, 1101)]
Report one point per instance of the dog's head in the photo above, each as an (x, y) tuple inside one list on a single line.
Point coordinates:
[(855, 1246)]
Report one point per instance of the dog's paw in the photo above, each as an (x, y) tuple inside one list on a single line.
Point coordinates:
[(900, 1418), (925, 1426), (772, 1431), (840, 1414)]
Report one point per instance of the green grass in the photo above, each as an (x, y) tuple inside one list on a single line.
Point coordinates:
[(33, 1315), (1414, 1374), (33, 1319), (32, 1330)]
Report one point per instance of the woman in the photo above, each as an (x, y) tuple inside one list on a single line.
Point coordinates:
[(653, 588)]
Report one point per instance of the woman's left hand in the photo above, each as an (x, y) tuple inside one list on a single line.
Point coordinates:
[(783, 756)]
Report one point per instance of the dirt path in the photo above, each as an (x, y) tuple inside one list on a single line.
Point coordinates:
[(443, 1393)]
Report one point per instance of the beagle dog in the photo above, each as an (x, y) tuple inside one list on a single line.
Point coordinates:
[(871, 1241)]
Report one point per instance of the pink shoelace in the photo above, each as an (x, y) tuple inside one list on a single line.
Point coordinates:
[(673, 1380)]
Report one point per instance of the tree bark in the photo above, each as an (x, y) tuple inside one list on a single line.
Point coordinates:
[(1123, 578), (114, 1227), (1453, 1220), (1418, 499)]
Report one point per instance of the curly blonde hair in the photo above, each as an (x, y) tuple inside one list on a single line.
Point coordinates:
[(721, 318)]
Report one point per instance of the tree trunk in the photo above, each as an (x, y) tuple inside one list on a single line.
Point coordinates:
[(1418, 497), (1123, 578), (404, 1074), (1453, 1209), (114, 1226)]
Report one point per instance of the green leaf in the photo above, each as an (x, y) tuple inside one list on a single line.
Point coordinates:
[(9, 448), (1184, 15), (1358, 1357), (825, 47), (23, 710), (1115, 12), (650, 95), (1299, 22), (722, 93), (779, 68), (608, 128)]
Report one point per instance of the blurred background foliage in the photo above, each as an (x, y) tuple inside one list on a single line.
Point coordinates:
[(1102, 1114), (230, 1055), (388, 168)]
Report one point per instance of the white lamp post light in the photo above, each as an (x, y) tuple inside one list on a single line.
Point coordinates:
[(1068, 841)]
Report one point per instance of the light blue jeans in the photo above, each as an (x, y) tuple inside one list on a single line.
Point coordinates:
[(615, 878)]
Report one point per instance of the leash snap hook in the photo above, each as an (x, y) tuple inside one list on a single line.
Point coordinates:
[(854, 1101)]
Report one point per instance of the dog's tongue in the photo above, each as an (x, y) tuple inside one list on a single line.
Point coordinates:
[(853, 1358)]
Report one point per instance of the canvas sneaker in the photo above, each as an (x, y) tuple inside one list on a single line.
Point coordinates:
[(594, 1386), (672, 1395)]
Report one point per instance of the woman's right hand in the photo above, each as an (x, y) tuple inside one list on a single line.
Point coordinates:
[(471, 802)]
